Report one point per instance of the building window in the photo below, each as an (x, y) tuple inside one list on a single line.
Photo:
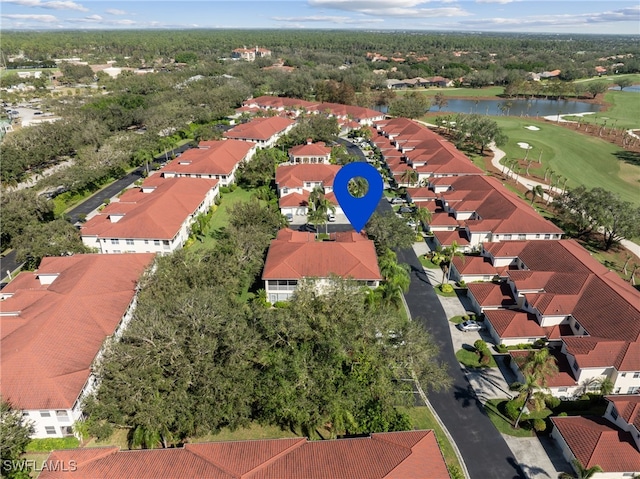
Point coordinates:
[(562, 390), (547, 236), (633, 390), (156, 242), (614, 413), (25, 414), (507, 237), (617, 391), (117, 251), (575, 365), (115, 241), (62, 415), (636, 375), (50, 429), (146, 241), (129, 242), (45, 414), (537, 235), (522, 237)]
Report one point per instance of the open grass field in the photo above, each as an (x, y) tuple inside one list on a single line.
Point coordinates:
[(623, 110), (583, 159), (487, 92)]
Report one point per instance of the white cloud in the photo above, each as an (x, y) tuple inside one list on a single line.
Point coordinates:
[(391, 8), (538, 22), (496, 1), (34, 18), (324, 18), (52, 4), (114, 11)]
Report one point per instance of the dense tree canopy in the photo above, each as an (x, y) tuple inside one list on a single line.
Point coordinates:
[(15, 434)]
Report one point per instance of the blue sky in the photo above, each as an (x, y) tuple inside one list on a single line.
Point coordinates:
[(568, 16)]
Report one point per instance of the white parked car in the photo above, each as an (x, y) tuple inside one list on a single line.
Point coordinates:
[(469, 326), (331, 217)]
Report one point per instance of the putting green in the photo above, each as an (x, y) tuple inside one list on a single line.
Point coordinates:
[(583, 159)]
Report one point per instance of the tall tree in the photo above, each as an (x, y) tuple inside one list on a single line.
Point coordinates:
[(15, 434), (537, 368), (389, 231), (411, 105)]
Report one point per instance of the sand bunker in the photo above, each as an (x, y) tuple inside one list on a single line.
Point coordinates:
[(525, 146), (532, 128)]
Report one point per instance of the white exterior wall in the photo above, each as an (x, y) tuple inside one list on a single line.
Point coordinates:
[(152, 245), (283, 292), (621, 423), (625, 382), (523, 236)]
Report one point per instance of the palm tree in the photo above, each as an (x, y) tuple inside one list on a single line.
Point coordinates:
[(530, 395), (547, 170), (409, 176), (536, 190), (537, 368), (449, 253), (358, 187), (319, 207), (421, 215), (396, 278), (581, 472)]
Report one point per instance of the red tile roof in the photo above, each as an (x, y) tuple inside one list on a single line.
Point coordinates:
[(294, 176), (514, 324), (297, 199), (564, 378), (295, 255), (596, 441), (593, 352), (310, 149), (158, 214), (210, 158), (259, 128), (394, 455), (446, 238), (61, 326), (474, 265), (628, 407), (267, 102), (492, 294), (421, 193)]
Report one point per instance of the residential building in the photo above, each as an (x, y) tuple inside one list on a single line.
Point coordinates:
[(212, 159), (153, 218), (264, 132), (296, 256), (487, 212), (54, 324), (250, 54), (310, 153), (611, 442), (390, 455), (557, 292)]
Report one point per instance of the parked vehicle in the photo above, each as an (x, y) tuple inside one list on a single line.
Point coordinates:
[(396, 201), (289, 217), (331, 217), (406, 209), (469, 326)]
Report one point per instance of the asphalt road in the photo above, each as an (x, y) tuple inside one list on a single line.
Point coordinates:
[(113, 189), (485, 452), (8, 264)]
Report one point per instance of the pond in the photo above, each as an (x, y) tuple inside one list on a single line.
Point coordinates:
[(632, 88), (533, 107)]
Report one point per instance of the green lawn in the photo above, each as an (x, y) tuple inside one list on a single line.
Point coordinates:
[(487, 92), (421, 418), (583, 159), (426, 262), (623, 112), (471, 360), (502, 422), (220, 217)]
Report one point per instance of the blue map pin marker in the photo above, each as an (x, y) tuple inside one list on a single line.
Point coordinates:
[(358, 210)]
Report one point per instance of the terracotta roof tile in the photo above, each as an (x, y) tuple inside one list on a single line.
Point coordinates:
[(394, 455), (628, 407), (259, 128), (596, 441), (82, 306), (210, 158), (155, 215), (310, 149), (491, 294), (295, 255), (294, 176), (514, 324)]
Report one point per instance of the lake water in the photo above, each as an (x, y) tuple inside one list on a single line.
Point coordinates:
[(533, 107), (632, 88)]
